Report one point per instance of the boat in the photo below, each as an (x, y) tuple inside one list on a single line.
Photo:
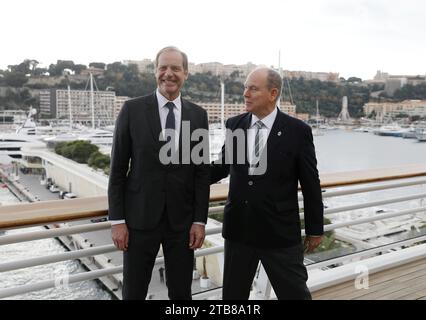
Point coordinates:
[(421, 134), (362, 129), (12, 142), (98, 136), (410, 133), (392, 130)]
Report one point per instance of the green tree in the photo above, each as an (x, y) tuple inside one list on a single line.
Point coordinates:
[(411, 92), (82, 150), (354, 79), (79, 67), (99, 65), (39, 71), (58, 68), (99, 160), (15, 79), (59, 147), (79, 150)]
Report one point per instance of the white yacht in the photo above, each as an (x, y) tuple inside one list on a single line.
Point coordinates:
[(12, 142), (393, 130), (99, 137), (421, 134)]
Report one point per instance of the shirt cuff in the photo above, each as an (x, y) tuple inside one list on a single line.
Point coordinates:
[(200, 223), (114, 222)]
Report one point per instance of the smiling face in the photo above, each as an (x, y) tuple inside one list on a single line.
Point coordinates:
[(170, 74)]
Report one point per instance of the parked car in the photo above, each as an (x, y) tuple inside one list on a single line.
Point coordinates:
[(62, 194), (54, 188), (69, 195), (49, 183)]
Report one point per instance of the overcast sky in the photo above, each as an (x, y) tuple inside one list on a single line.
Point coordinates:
[(352, 37)]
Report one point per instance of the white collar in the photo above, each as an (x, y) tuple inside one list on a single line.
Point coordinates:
[(162, 100), (268, 121)]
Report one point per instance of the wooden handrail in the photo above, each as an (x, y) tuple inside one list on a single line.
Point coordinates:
[(48, 212)]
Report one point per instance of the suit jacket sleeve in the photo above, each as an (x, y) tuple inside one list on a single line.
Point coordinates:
[(219, 169), (120, 157), (201, 184), (310, 183)]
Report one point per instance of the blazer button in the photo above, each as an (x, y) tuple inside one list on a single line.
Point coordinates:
[(245, 201), (250, 183)]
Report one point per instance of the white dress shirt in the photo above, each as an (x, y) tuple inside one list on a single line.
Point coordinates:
[(164, 111), (268, 122)]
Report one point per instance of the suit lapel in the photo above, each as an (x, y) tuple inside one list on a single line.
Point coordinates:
[(275, 138), (185, 116), (154, 118), (245, 125), (277, 133)]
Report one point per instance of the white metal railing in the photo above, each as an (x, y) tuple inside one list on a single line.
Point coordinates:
[(372, 251), (51, 233), (88, 252), (380, 186), (351, 191)]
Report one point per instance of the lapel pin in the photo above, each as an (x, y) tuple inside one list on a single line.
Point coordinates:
[(279, 133)]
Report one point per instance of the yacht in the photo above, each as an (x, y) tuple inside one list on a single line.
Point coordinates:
[(393, 130), (99, 137), (12, 142), (421, 134)]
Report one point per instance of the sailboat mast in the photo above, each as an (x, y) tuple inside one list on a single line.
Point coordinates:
[(281, 76), (92, 103), (317, 116), (69, 106), (222, 106)]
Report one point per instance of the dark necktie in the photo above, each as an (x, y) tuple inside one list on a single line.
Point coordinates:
[(170, 122)]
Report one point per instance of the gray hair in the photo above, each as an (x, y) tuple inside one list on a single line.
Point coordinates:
[(274, 80), (171, 48)]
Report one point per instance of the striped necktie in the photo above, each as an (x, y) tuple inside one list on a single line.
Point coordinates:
[(258, 139)]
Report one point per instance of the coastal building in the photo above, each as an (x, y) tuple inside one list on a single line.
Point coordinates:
[(55, 103), (118, 104), (396, 82), (406, 107), (307, 75), (233, 109)]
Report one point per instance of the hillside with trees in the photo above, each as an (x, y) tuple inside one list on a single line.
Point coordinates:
[(409, 91), (126, 80)]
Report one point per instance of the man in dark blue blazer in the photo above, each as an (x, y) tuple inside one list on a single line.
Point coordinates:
[(152, 201), (261, 216)]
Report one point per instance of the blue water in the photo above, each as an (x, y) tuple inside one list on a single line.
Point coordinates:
[(342, 150), (87, 290)]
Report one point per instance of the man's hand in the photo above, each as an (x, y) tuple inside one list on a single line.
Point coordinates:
[(196, 236), (120, 236), (312, 242)]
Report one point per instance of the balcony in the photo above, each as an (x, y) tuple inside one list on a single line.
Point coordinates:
[(378, 217)]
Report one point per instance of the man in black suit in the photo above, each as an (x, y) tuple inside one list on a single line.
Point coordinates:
[(153, 201), (261, 216)]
